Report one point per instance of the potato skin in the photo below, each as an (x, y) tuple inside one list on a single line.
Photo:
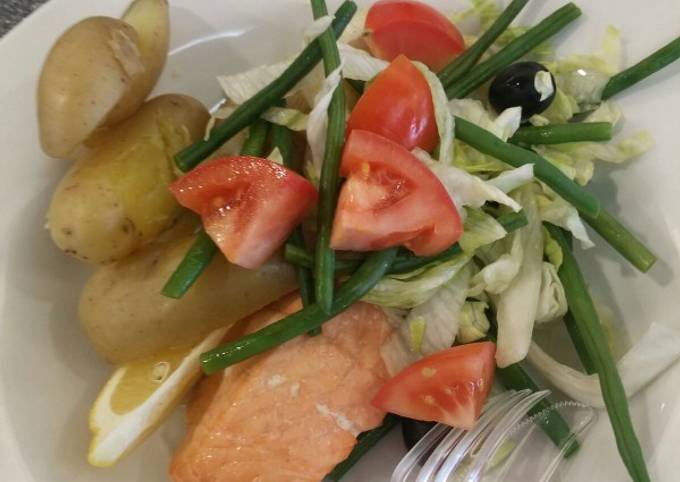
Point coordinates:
[(116, 198), (126, 317), (98, 73)]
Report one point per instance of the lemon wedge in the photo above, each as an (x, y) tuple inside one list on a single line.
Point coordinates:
[(139, 396)]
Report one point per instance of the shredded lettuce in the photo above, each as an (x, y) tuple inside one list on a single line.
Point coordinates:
[(240, 87), (557, 211), (275, 156), (317, 121), (440, 315), (480, 229), (442, 114), (552, 301), (359, 64), (465, 189), (477, 18), (655, 352), (561, 110), (584, 77), (317, 27), (552, 249), (510, 180), (503, 261), (503, 126), (290, 118), (355, 28), (474, 325), (412, 289), (517, 306)]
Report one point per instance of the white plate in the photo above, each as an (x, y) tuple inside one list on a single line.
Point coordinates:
[(48, 374)]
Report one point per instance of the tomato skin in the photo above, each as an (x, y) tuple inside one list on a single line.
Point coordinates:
[(450, 386), (414, 29), (248, 205), (398, 105), (391, 198)]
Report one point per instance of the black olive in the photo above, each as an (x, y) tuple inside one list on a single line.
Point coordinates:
[(414, 430), (516, 87)]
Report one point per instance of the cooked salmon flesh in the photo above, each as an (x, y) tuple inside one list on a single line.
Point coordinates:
[(290, 414)]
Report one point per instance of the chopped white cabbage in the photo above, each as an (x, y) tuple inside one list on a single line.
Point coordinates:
[(442, 113), (655, 352), (552, 301), (412, 289), (516, 307)]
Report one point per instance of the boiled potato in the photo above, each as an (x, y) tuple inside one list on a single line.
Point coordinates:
[(99, 72), (127, 318), (116, 198)]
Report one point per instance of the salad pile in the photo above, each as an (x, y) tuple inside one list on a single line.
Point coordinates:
[(437, 167)]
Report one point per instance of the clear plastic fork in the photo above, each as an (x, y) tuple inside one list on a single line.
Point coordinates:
[(448, 454)]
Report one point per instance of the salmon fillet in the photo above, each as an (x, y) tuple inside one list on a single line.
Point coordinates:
[(290, 414)]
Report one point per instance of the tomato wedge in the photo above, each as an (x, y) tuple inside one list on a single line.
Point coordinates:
[(398, 105), (413, 29), (450, 386), (391, 198), (248, 205)]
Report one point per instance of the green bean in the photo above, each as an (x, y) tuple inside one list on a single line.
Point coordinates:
[(195, 261), (405, 262), (621, 240), (282, 140), (643, 69), (360, 283), (324, 262), (357, 85), (487, 143), (462, 64), (203, 249), (579, 344), (365, 442), (251, 109), (595, 344), (563, 133), (513, 51)]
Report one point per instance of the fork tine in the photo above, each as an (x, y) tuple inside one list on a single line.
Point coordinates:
[(415, 458), (448, 462), (500, 432), (410, 461)]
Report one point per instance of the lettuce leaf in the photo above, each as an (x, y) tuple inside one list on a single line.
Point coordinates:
[(552, 301), (440, 315), (359, 64), (656, 351), (465, 189), (316, 28), (317, 121), (443, 116), (480, 229), (517, 305), (474, 325), (557, 211), (291, 118), (514, 178), (416, 287)]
